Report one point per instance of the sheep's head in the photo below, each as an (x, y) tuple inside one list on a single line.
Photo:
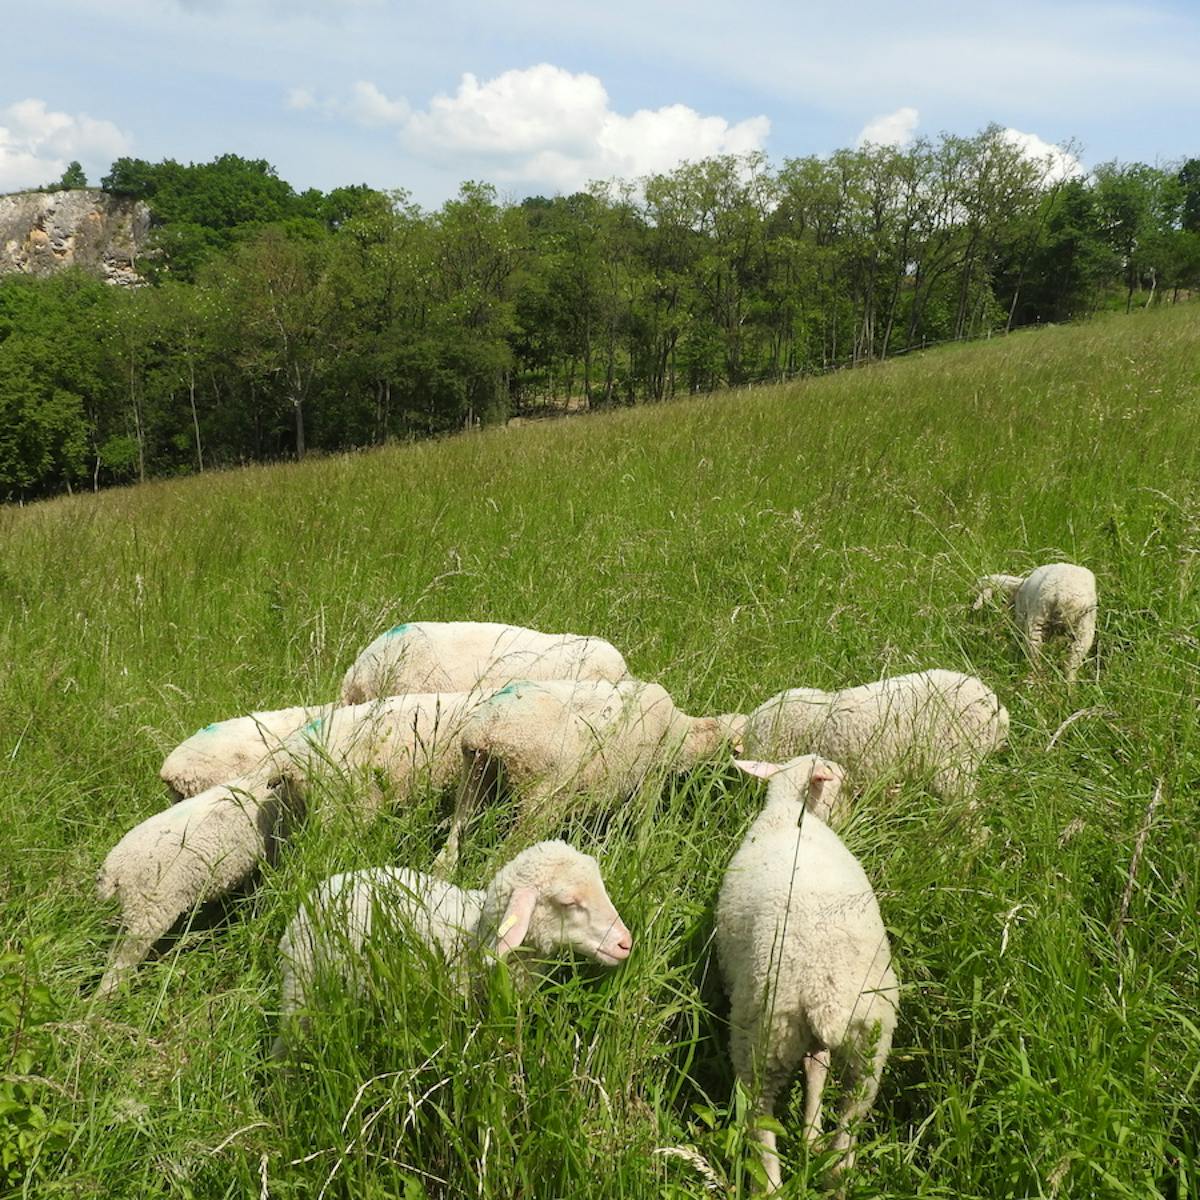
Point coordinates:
[(810, 780), (551, 897), (989, 586), (712, 737)]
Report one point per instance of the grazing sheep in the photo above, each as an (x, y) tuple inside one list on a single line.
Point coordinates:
[(202, 848), (558, 739), (389, 746), (937, 725), (460, 656), (805, 958), (1059, 598), (228, 749), (549, 897)]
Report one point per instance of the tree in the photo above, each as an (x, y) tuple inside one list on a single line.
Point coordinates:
[(73, 177)]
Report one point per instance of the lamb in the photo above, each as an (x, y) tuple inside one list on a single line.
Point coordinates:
[(549, 897), (1058, 598), (460, 656), (805, 957), (934, 725), (228, 749), (202, 848), (389, 746), (558, 739)]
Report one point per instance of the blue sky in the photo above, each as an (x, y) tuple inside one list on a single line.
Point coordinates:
[(540, 97)]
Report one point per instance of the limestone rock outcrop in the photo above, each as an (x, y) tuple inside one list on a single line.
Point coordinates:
[(45, 232)]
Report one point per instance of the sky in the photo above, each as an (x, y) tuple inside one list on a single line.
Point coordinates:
[(541, 97)]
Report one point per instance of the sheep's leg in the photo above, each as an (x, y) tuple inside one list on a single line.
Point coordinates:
[(770, 1155), (816, 1070), (1083, 634), (128, 952), (863, 1072), (1035, 637), (470, 789)]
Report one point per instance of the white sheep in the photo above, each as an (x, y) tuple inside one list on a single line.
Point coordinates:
[(214, 842), (805, 957), (228, 749), (460, 656), (387, 747), (1058, 598), (200, 849), (549, 897), (934, 725), (555, 740)]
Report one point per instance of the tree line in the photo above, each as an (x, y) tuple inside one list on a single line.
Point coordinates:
[(275, 321)]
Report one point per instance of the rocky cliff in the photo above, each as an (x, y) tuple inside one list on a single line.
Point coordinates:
[(43, 232)]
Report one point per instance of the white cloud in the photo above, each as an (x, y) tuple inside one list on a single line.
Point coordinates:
[(545, 126), (299, 98), (369, 106), (891, 129), (1060, 164), (36, 144)]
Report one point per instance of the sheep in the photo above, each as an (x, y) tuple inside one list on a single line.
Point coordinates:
[(1058, 598), (211, 843), (200, 849), (549, 897), (459, 656), (558, 739), (228, 749), (805, 957), (390, 745), (936, 725)]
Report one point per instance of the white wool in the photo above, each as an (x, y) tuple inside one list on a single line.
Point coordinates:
[(557, 740), (198, 850), (211, 843), (1055, 599), (805, 957), (548, 898), (385, 748), (937, 725), (461, 656), (231, 748)]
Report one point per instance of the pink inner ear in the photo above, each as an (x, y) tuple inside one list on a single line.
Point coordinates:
[(760, 770)]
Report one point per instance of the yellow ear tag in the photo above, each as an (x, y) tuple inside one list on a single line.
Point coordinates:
[(505, 926)]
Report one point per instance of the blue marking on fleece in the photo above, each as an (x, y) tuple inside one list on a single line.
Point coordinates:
[(397, 630)]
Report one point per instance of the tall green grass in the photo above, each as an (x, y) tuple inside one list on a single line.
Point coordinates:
[(822, 534)]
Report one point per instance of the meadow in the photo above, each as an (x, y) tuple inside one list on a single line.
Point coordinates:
[(823, 533)]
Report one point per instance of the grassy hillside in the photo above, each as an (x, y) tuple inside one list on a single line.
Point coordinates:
[(824, 534)]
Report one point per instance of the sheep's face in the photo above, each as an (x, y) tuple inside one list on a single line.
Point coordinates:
[(711, 737), (578, 915), (566, 907)]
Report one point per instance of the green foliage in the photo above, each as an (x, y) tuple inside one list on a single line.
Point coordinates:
[(73, 177), (820, 533), (31, 1139), (351, 318)]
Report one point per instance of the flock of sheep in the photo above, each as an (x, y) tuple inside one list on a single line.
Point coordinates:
[(551, 723)]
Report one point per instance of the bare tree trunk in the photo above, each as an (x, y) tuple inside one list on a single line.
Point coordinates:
[(137, 422), (195, 418)]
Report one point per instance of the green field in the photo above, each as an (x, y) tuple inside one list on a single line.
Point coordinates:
[(824, 534)]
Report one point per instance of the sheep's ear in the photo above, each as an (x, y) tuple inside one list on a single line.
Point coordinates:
[(985, 594), (760, 770), (515, 924)]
